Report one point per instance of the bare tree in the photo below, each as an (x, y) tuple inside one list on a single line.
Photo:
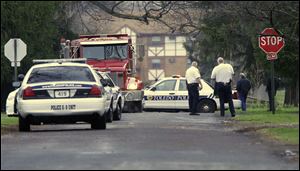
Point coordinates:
[(177, 16)]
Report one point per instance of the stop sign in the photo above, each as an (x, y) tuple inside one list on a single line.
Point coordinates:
[(270, 41), (15, 50)]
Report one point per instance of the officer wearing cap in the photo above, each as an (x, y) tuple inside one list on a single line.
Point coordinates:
[(222, 75), (193, 79)]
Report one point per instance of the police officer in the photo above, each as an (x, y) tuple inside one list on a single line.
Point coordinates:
[(192, 76), (222, 75)]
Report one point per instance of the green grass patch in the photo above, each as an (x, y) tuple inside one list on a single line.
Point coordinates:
[(283, 122), (279, 98), (7, 121), (262, 116), (286, 135)]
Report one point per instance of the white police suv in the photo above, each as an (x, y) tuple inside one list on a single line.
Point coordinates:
[(171, 93), (118, 99), (60, 91)]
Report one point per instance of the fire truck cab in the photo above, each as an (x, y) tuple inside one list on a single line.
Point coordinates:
[(113, 54)]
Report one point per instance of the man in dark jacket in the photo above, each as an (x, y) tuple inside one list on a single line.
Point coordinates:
[(243, 86)]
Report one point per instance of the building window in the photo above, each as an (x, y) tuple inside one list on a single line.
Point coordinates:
[(172, 60), (172, 37), (155, 39), (155, 63)]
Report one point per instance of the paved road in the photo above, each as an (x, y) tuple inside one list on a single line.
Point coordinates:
[(148, 140)]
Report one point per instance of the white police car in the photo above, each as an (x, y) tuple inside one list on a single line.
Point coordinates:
[(171, 93), (10, 103), (117, 100), (61, 92)]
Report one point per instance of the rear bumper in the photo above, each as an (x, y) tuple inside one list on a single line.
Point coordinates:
[(61, 107), (62, 119)]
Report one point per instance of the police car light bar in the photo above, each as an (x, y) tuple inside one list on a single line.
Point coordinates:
[(176, 76), (41, 61)]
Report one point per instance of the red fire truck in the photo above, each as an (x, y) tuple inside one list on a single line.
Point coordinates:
[(113, 54)]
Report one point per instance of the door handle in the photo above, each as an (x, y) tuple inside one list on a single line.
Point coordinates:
[(171, 93)]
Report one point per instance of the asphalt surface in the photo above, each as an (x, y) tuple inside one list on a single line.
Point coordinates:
[(149, 140)]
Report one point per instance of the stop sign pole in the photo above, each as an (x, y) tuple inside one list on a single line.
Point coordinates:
[(273, 87), (15, 60), (271, 43)]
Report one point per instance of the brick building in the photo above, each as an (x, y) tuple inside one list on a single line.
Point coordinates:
[(164, 55)]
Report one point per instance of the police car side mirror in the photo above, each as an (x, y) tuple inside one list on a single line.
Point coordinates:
[(109, 83), (20, 77), (153, 89), (16, 84)]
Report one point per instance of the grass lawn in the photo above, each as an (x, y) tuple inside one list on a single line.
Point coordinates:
[(262, 116), (286, 135), (7, 121), (284, 124)]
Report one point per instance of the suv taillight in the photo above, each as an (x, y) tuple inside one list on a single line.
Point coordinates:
[(95, 91), (28, 93)]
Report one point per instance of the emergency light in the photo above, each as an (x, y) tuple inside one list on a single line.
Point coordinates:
[(41, 61)]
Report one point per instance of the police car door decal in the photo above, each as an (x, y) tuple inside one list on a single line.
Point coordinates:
[(162, 95)]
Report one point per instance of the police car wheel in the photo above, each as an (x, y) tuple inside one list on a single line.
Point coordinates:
[(99, 122), (110, 114), (24, 125), (118, 113), (206, 106)]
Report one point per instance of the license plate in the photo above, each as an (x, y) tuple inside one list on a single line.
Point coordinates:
[(63, 107), (62, 93)]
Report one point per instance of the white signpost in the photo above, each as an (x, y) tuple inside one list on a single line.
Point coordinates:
[(15, 50)]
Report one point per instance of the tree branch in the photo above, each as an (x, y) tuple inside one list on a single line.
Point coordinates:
[(117, 14), (117, 4)]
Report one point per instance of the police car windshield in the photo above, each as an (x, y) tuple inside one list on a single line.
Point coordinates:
[(61, 73), (115, 51), (208, 83)]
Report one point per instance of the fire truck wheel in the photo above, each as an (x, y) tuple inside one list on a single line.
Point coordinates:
[(139, 106)]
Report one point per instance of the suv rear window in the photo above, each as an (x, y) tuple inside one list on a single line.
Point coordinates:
[(61, 73)]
